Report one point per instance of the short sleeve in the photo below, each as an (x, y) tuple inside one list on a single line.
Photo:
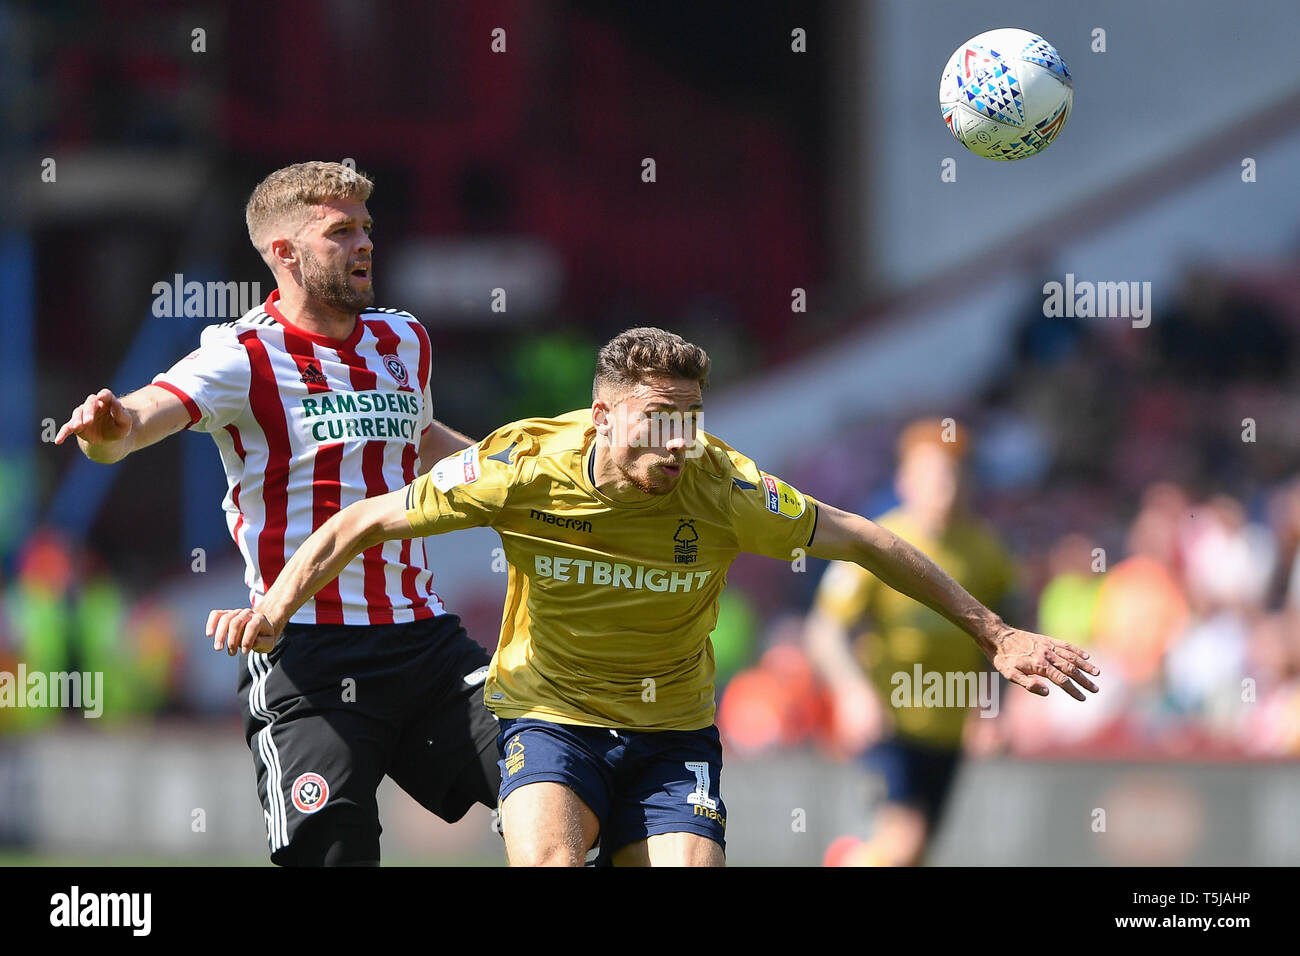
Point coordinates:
[(770, 517), (844, 593), (212, 381), (425, 375), (426, 411), (464, 490)]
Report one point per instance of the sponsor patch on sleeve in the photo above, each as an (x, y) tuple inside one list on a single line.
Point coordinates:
[(781, 498), (458, 469)]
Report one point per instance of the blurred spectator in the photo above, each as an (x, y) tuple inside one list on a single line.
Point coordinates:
[(1141, 607), (1228, 564), (1284, 519), (39, 619), (777, 703), (1067, 606), (1270, 705), (64, 614), (1228, 560)]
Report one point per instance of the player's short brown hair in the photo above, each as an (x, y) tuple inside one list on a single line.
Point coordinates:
[(943, 433), (629, 358), (289, 191)]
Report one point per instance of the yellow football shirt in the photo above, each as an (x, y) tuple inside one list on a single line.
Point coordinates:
[(896, 634), (609, 605)]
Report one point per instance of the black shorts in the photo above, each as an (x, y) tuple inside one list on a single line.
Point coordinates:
[(916, 775), (331, 709)]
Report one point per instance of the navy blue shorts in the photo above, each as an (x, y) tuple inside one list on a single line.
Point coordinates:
[(637, 783), (915, 775)]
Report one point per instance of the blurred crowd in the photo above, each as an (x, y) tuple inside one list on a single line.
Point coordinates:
[(65, 611), (1148, 482)]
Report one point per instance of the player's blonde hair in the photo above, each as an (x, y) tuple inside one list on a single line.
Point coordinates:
[(290, 191), (632, 356)]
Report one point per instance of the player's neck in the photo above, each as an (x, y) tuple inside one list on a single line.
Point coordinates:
[(313, 316)]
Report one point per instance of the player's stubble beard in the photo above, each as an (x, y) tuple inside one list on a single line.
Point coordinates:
[(644, 483), (332, 288)]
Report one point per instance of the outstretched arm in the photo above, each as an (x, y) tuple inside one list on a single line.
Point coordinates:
[(1022, 657), (322, 557), (109, 428)]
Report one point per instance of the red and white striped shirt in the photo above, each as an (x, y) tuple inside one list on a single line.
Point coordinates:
[(307, 425)]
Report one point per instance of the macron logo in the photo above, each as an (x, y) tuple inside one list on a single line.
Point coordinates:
[(577, 524), (75, 909)]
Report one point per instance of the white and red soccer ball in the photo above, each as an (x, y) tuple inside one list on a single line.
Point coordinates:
[(1006, 94)]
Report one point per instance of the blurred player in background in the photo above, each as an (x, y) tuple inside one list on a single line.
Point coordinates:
[(316, 400), (860, 634), (619, 523)]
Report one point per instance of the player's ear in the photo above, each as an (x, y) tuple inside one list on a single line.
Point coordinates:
[(600, 416), (283, 252)]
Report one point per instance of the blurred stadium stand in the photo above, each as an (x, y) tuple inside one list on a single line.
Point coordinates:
[(1090, 433)]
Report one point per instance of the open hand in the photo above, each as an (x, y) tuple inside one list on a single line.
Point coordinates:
[(1026, 658)]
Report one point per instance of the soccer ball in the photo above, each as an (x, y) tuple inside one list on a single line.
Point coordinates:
[(1006, 94)]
